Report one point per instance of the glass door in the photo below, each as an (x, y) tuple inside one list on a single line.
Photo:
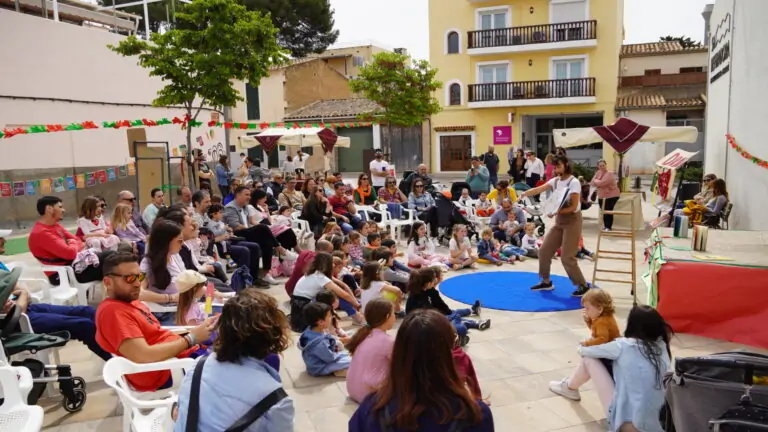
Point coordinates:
[(495, 77)]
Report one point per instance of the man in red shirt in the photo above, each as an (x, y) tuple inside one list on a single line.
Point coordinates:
[(302, 263), (125, 327), (53, 245), (339, 202)]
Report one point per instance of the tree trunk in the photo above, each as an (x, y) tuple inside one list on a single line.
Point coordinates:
[(189, 156)]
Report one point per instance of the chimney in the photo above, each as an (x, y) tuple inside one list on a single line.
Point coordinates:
[(707, 14)]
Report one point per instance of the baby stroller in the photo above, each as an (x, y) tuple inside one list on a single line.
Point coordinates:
[(13, 342), (456, 189), (725, 392), (448, 215)]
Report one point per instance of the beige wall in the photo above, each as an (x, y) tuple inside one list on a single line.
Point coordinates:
[(312, 81), (345, 65), (669, 64)]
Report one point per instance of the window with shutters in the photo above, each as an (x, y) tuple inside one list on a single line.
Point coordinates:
[(453, 43), (252, 102), (564, 11), (455, 94)]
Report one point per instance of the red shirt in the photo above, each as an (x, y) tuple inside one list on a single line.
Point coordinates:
[(117, 321), (339, 204), (53, 245), (466, 370), (305, 257)]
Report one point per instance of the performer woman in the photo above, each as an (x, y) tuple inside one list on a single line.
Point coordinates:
[(566, 232)]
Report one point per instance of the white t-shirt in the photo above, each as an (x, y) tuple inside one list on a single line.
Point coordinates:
[(175, 268), (453, 246), (298, 163), (534, 167), (563, 188), (529, 242), (379, 167), (373, 292), (311, 285)]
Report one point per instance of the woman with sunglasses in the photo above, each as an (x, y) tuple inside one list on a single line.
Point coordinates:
[(392, 197), (365, 194), (423, 204)]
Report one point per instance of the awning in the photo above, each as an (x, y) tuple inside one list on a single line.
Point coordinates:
[(298, 137), (623, 134)]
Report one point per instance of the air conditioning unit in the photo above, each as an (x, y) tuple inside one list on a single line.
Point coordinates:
[(403, 51)]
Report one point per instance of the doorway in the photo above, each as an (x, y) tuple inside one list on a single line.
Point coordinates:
[(360, 139), (455, 152)]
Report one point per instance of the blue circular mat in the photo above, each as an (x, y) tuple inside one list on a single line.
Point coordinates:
[(510, 290)]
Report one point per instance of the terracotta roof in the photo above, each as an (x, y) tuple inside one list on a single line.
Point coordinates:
[(334, 108), (658, 48), (454, 128), (657, 100)]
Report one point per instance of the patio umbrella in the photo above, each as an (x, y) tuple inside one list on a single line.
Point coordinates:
[(269, 139)]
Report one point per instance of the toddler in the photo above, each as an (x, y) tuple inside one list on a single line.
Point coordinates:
[(322, 353), (331, 300), (461, 249), (421, 251), (283, 217), (221, 232), (371, 349), (373, 286), (599, 317), (529, 241), (355, 248), (511, 224), (582, 252), (205, 264), (374, 242), (484, 206), (487, 250), (465, 199)]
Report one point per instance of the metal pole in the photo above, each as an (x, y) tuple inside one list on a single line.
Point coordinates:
[(56, 10), (146, 20), (18, 6), (45, 9)]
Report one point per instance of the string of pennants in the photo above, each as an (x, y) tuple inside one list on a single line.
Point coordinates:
[(184, 122), (47, 186)]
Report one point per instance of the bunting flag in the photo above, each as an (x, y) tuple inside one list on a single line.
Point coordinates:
[(184, 122), (745, 154), (47, 186)]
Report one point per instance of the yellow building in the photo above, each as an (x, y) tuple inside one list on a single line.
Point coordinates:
[(513, 71)]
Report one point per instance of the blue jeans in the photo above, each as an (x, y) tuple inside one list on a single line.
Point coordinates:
[(510, 250), (79, 321), (347, 228), (395, 209), (347, 307), (247, 254), (490, 258), (402, 267), (459, 323)]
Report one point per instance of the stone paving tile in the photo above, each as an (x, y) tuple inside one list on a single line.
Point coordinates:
[(515, 360)]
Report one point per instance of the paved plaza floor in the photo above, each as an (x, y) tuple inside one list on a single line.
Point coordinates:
[(515, 359)]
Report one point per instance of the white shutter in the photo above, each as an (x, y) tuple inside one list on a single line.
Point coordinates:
[(569, 11)]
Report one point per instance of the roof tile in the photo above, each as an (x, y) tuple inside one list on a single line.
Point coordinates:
[(658, 48), (657, 100), (334, 108)]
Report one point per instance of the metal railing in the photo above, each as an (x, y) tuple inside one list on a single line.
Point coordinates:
[(521, 90), (535, 34)]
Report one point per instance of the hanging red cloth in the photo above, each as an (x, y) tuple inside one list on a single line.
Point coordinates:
[(664, 178)]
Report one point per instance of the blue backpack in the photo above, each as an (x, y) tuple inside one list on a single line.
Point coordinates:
[(241, 279)]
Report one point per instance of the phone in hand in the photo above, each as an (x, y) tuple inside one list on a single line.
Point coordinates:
[(14, 297)]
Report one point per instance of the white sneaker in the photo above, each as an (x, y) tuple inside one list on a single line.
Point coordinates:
[(561, 388), (606, 230), (270, 280)]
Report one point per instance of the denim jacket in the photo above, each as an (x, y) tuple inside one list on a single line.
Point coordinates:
[(485, 247), (322, 353)]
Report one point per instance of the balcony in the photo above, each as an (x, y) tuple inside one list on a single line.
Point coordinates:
[(544, 37), (666, 80), (532, 93)]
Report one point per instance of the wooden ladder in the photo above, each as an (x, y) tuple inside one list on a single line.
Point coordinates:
[(617, 255)]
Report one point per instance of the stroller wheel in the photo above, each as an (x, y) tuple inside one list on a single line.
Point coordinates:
[(75, 404), (78, 383), (541, 231)]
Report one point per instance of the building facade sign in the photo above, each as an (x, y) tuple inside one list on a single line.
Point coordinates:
[(720, 53)]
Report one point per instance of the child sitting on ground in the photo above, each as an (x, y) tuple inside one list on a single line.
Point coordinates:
[(465, 199), (388, 272), (331, 300), (346, 275), (484, 206), (487, 249), (421, 251), (331, 228), (355, 248), (374, 242), (373, 286), (529, 241), (392, 246), (366, 229), (371, 350), (461, 249), (599, 317), (322, 353)]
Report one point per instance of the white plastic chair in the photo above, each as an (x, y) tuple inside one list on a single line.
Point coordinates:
[(40, 287), (386, 218), (300, 226), (397, 224), (15, 414), (144, 411)]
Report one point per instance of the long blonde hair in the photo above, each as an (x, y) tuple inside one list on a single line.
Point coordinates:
[(121, 216), (456, 229)]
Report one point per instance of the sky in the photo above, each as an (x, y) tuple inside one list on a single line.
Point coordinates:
[(404, 23)]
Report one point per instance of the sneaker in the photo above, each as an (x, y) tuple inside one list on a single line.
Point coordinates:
[(543, 286), (561, 388), (476, 308), (580, 291), (484, 324), (270, 280), (463, 340), (259, 283), (606, 230)]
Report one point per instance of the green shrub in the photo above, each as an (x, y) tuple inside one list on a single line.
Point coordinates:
[(583, 171), (694, 174)]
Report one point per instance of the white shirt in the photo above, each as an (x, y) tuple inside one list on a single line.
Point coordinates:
[(529, 242), (454, 246), (310, 286), (288, 166), (379, 167), (373, 292), (298, 163), (534, 167), (175, 268), (561, 188)]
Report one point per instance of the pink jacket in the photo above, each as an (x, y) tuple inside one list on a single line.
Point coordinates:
[(605, 182)]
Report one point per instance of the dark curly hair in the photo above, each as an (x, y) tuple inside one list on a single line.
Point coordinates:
[(251, 325)]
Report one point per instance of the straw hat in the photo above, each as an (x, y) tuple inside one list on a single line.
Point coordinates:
[(189, 279)]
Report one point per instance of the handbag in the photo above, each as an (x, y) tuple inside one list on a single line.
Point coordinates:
[(241, 424)]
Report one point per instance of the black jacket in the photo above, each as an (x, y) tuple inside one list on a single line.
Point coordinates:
[(427, 299)]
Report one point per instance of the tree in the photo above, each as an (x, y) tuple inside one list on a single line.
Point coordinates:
[(305, 26), (220, 42), (403, 87), (684, 41)]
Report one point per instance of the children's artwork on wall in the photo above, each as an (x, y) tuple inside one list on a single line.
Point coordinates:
[(6, 189), (101, 176), (90, 179), (18, 189), (30, 188), (70, 183), (58, 185), (80, 181), (45, 186), (122, 171), (132, 169), (111, 174)]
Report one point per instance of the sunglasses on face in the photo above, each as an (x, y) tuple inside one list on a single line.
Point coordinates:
[(130, 278), (419, 186), (130, 199)]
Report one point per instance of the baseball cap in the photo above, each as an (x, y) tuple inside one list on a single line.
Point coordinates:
[(5, 233), (189, 279)]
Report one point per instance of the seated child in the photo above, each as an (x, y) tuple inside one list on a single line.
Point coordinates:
[(97, 234), (599, 317), (392, 246), (355, 248), (389, 272), (365, 229), (284, 219), (322, 353), (331, 300), (461, 249), (421, 251), (371, 350), (221, 232), (465, 199), (340, 271), (510, 226), (205, 264), (487, 249), (331, 228), (422, 294), (529, 241), (514, 252), (374, 242), (373, 286), (484, 206), (190, 310), (582, 252)]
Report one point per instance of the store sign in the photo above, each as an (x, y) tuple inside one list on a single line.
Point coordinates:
[(675, 159), (720, 53), (502, 135)]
